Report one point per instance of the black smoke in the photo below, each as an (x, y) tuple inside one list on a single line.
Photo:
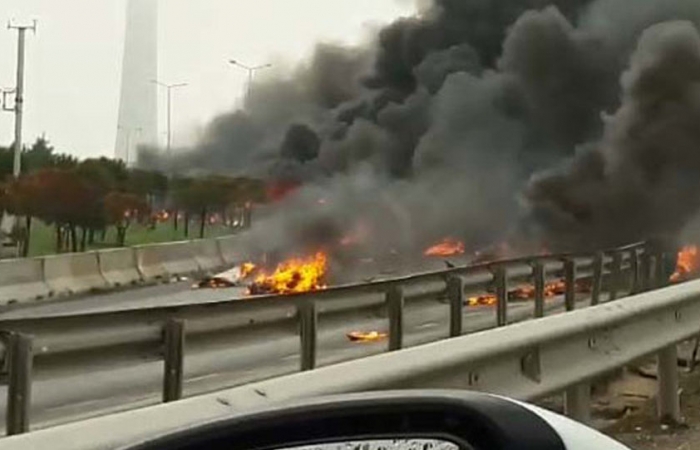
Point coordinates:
[(436, 126), (642, 178)]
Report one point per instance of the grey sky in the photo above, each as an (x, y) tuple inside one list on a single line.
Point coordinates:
[(74, 61)]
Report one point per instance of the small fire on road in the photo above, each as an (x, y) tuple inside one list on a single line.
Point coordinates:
[(366, 336), (525, 292), (688, 264), (447, 247)]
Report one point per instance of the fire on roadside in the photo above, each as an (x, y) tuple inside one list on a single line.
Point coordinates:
[(366, 336), (447, 247), (525, 292), (161, 216), (293, 276), (247, 268), (688, 263)]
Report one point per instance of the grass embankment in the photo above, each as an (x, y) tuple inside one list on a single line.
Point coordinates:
[(43, 237)]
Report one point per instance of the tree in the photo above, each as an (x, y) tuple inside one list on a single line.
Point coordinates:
[(178, 198), (203, 196), (58, 197), (122, 209)]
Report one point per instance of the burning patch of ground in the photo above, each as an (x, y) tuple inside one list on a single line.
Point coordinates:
[(446, 247), (527, 292), (688, 265), (295, 275), (367, 336)]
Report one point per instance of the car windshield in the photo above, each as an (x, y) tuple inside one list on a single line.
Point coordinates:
[(198, 196)]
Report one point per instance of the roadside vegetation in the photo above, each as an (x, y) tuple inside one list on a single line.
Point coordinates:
[(67, 205)]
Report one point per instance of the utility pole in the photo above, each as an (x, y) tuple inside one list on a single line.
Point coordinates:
[(19, 243), (169, 88), (19, 93), (251, 73)]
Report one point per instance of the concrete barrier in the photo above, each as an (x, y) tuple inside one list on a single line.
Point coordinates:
[(22, 280), (118, 266), (73, 273), (161, 261), (230, 249), (207, 255)]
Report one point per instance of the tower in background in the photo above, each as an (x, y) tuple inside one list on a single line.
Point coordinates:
[(138, 110)]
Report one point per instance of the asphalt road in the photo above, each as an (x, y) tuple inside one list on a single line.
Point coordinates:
[(68, 396), (147, 296)]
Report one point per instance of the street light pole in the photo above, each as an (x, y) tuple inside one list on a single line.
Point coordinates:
[(251, 73), (169, 88), (19, 94)]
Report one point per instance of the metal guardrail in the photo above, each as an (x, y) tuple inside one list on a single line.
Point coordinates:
[(526, 361), (163, 329)]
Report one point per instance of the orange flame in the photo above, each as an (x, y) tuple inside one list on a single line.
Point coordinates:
[(293, 276), (482, 300), (525, 292), (366, 336), (447, 247), (688, 263), (247, 268)]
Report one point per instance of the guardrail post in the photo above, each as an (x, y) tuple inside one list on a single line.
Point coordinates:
[(308, 321), (660, 279), (577, 403), (174, 340), (455, 295), (645, 271), (538, 281), (668, 402), (615, 275), (597, 282), (634, 267), (394, 302), (501, 283), (570, 284), (19, 385)]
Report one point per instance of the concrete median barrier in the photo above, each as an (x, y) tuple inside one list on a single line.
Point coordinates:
[(22, 280), (118, 266), (161, 261), (207, 255), (73, 273), (231, 249)]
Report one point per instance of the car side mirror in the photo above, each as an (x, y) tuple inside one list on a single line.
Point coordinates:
[(398, 420)]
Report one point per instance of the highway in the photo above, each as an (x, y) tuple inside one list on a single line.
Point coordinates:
[(181, 292), (61, 393), (67, 395)]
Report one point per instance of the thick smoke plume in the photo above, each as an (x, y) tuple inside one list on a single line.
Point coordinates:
[(642, 178), (435, 128)]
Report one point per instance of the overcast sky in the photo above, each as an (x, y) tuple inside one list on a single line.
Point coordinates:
[(74, 60)]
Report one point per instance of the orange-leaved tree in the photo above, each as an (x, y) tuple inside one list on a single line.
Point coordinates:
[(123, 209)]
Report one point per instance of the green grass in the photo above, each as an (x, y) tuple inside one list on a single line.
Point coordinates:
[(43, 237)]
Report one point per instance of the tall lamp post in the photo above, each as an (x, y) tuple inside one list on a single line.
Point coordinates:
[(251, 72), (169, 88)]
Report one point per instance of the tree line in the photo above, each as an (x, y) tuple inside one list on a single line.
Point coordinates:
[(82, 199)]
